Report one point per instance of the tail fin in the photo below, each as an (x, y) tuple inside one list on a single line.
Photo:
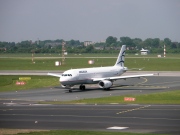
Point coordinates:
[(121, 57)]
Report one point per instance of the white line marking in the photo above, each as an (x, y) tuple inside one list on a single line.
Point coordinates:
[(9, 103), (114, 103), (119, 128), (41, 104)]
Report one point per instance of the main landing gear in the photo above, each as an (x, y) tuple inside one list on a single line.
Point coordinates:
[(81, 87), (70, 90), (107, 88)]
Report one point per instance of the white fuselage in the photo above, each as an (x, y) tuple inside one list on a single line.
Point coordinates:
[(85, 75)]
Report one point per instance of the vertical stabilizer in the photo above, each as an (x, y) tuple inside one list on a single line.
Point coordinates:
[(121, 57)]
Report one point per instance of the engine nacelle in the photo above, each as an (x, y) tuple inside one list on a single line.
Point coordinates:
[(105, 84)]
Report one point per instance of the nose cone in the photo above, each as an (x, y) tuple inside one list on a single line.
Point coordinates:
[(65, 80), (67, 77)]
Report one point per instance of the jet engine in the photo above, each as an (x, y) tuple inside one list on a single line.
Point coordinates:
[(106, 84)]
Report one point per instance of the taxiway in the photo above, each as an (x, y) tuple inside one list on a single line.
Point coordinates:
[(131, 86)]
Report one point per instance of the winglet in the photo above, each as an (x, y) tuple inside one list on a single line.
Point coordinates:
[(121, 57)]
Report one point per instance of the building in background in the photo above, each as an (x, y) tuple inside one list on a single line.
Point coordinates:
[(86, 43), (144, 52)]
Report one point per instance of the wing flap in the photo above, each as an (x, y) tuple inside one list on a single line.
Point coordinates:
[(121, 77), (130, 76)]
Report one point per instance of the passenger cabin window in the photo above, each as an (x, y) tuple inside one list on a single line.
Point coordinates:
[(66, 74)]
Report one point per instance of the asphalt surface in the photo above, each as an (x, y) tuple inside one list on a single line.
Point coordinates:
[(121, 87), (19, 109), (119, 118)]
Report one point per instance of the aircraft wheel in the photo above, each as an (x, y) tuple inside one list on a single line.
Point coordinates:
[(82, 87), (70, 91)]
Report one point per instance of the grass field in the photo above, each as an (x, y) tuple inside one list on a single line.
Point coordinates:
[(8, 83), (47, 61), (170, 97), (150, 64)]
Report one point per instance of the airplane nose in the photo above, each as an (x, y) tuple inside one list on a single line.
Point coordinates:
[(60, 79), (63, 80)]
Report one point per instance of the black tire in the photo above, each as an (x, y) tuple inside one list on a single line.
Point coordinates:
[(107, 88), (82, 87), (70, 91)]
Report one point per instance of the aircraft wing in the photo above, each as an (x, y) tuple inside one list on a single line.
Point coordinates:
[(56, 75), (121, 77)]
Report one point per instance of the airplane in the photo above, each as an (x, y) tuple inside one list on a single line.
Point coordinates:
[(103, 76)]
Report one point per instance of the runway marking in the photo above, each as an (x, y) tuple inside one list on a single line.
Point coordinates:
[(9, 103), (114, 103), (166, 82), (144, 81), (143, 86), (118, 128), (130, 110), (152, 86), (40, 104)]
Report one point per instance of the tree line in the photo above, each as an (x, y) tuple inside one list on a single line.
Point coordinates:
[(112, 44)]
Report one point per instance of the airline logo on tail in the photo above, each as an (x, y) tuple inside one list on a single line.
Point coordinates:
[(121, 57), (121, 62)]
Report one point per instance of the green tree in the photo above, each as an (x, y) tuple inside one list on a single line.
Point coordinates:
[(147, 43), (126, 41), (90, 49), (155, 42), (137, 42), (167, 42), (110, 40)]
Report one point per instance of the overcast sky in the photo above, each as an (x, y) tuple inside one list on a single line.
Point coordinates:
[(92, 20)]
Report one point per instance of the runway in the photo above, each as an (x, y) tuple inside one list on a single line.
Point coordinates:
[(119, 118)]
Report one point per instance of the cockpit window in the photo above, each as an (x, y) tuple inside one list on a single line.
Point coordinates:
[(66, 74)]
